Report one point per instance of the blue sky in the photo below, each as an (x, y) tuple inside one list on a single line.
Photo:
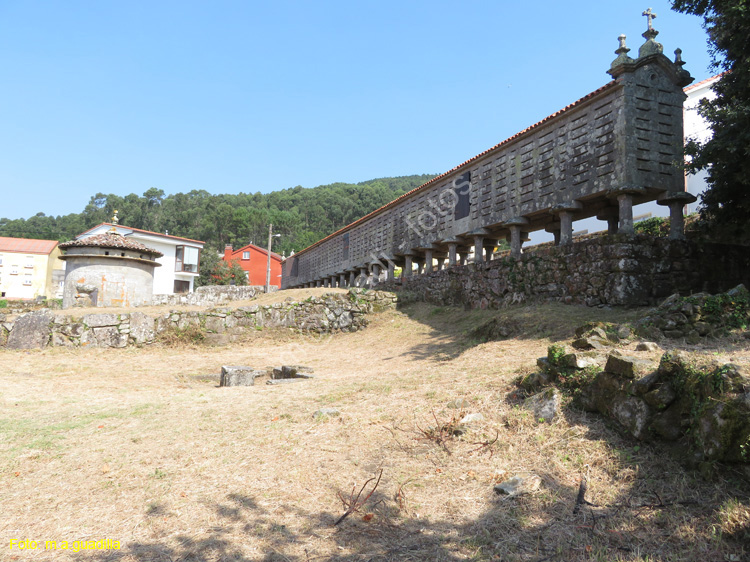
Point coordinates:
[(244, 96)]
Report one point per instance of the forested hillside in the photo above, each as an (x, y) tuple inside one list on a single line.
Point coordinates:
[(301, 215)]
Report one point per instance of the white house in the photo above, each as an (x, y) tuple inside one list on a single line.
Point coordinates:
[(179, 264)]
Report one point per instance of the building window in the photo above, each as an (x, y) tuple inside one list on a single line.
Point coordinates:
[(27, 279), (29, 262), (1, 261), (187, 258), (14, 270), (245, 255), (181, 286)]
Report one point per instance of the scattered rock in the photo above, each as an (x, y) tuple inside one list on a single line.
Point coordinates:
[(626, 366), (545, 405), (519, 485), (239, 376), (647, 346), (590, 342), (326, 413), (292, 372), (470, 418), (535, 381), (580, 360), (624, 332)]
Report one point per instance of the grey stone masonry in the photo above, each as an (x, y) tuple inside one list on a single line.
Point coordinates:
[(332, 312), (617, 147), (605, 270)]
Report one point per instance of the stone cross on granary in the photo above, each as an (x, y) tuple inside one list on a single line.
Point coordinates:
[(651, 16), (599, 156)]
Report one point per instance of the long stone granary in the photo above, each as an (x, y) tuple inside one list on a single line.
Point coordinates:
[(619, 146)]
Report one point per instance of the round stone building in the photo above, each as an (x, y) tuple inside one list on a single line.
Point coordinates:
[(108, 270)]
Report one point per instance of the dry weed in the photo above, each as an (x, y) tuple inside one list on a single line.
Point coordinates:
[(141, 446)]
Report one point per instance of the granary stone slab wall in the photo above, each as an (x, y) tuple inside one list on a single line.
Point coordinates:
[(611, 270), (615, 148), (332, 312)]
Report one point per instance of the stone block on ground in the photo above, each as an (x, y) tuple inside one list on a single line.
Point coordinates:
[(519, 485), (581, 360), (626, 366), (239, 376), (545, 405), (471, 418), (647, 346), (326, 413), (31, 330), (291, 372), (535, 381), (591, 342)]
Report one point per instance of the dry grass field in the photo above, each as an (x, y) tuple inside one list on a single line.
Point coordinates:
[(142, 447)]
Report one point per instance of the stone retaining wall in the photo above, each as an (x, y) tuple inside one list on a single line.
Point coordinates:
[(211, 295), (606, 270), (332, 312)]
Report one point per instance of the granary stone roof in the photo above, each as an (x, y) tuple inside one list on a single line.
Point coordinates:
[(111, 240)]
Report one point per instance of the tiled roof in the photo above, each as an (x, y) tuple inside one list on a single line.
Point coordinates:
[(593, 94), (26, 245), (703, 82), (110, 240), (261, 250), (143, 232)]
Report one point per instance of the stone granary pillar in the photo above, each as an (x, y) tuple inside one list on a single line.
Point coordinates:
[(352, 278), (374, 274), (554, 229), (452, 247), (515, 234), (625, 207), (342, 280), (565, 213), (391, 271), (625, 204), (364, 277), (406, 272), (478, 248), (334, 281), (317, 283), (612, 216), (479, 235), (676, 200), (420, 265), (428, 261)]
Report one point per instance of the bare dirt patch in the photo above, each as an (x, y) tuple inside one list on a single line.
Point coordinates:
[(141, 446)]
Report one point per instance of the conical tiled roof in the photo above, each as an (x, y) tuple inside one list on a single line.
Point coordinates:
[(111, 240)]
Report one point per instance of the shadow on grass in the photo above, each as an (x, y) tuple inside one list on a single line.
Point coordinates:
[(665, 513), (454, 330)]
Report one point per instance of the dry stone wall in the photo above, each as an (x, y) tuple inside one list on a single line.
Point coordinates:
[(211, 295), (332, 312), (611, 270)]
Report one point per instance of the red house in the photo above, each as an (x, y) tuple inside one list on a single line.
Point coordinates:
[(254, 261)]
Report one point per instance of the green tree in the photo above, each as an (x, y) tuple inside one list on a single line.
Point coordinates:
[(726, 156)]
